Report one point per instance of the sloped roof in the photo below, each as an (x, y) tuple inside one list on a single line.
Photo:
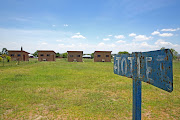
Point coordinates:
[(18, 51), (46, 51), (75, 51), (103, 51)]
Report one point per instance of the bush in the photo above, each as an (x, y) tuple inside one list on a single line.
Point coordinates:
[(64, 55), (1, 59), (8, 58)]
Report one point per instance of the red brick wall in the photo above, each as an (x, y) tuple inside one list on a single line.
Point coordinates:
[(75, 56), (103, 56), (47, 56), (21, 56)]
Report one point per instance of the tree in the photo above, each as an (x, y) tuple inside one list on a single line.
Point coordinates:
[(4, 54), (64, 55), (35, 54), (123, 52), (1, 59), (92, 55), (162, 48), (174, 52), (8, 58), (58, 54)]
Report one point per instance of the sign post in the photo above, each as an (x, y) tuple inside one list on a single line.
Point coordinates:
[(154, 67)]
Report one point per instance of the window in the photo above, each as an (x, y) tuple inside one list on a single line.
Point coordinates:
[(19, 55), (48, 54), (107, 55), (78, 55), (12, 54), (42, 54), (71, 55), (98, 55)]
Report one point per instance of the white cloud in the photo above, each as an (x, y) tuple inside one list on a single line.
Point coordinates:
[(78, 33), (132, 35), (163, 43), (142, 38), (120, 41), (166, 34), (66, 25), (155, 33), (59, 40), (106, 39), (78, 36), (60, 45), (119, 36), (163, 34), (171, 29), (101, 44), (46, 40), (44, 43), (53, 25), (109, 35)]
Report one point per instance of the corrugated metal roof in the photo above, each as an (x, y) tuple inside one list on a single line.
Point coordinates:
[(46, 51), (102, 51)]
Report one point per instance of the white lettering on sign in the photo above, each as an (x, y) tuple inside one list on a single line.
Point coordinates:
[(118, 59), (160, 57), (122, 64), (131, 65), (148, 69), (138, 68)]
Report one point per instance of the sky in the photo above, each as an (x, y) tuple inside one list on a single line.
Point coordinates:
[(90, 25)]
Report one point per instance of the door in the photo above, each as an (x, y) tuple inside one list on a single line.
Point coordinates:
[(23, 57)]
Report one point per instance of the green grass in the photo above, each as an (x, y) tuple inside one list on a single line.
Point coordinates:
[(73, 90)]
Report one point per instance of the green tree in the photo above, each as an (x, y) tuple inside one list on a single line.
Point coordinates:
[(8, 58), (92, 55), (58, 54), (123, 52), (1, 59), (162, 48), (64, 55), (174, 52), (4, 54), (35, 54)]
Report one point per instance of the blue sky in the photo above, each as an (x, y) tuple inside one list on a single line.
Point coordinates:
[(89, 25)]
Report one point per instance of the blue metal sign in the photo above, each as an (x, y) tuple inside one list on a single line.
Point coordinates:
[(154, 67)]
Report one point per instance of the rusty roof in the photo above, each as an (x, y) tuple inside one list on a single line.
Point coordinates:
[(75, 51), (102, 51), (46, 51), (18, 51)]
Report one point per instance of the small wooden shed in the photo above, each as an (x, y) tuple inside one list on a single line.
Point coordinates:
[(75, 56), (102, 56), (46, 55), (18, 55)]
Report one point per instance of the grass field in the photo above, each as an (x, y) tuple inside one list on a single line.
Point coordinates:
[(81, 91)]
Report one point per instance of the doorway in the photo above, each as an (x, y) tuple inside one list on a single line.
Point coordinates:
[(23, 57)]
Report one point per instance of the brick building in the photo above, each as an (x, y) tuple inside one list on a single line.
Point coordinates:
[(18, 55), (75, 56), (46, 55), (102, 56)]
